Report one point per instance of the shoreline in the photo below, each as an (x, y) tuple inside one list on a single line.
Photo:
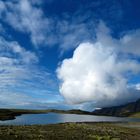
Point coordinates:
[(11, 114)]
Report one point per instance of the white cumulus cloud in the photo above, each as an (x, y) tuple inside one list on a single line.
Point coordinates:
[(99, 72)]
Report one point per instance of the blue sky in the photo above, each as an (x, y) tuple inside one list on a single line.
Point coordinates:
[(50, 53)]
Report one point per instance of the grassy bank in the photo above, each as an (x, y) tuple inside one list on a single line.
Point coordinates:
[(72, 131), (135, 115)]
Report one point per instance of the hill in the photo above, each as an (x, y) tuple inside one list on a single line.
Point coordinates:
[(130, 109)]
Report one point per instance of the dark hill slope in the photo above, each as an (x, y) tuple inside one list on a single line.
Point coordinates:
[(120, 111)]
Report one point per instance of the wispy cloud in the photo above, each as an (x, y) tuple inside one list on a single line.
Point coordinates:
[(27, 17), (21, 77), (66, 31)]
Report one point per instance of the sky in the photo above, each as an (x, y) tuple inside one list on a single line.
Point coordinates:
[(64, 54)]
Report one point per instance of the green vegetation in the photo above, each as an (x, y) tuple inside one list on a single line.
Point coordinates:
[(71, 131), (135, 115), (8, 114)]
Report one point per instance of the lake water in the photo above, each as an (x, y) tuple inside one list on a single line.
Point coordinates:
[(52, 118)]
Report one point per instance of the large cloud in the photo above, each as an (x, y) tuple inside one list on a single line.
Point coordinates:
[(100, 72)]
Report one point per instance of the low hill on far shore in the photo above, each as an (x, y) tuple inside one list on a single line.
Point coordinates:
[(128, 110)]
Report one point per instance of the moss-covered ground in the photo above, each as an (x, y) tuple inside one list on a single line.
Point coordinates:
[(71, 131)]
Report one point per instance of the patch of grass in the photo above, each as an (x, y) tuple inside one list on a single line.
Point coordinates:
[(135, 115), (96, 137), (69, 131)]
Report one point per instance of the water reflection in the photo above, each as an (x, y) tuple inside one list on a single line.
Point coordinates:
[(51, 118)]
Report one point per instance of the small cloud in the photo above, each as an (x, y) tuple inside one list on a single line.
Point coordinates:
[(138, 86)]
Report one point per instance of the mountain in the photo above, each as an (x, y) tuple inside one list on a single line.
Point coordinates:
[(120, 111)]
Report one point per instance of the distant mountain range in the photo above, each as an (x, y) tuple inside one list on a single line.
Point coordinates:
[(120, 111)]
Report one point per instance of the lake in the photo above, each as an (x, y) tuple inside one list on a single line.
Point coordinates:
[(52, 118)]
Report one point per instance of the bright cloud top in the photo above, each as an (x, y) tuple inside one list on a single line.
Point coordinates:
[(98, 72)]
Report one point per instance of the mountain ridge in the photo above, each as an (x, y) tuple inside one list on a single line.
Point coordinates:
[(125, 110)]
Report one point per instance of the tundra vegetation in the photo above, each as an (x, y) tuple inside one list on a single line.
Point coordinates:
[(72, 131)]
